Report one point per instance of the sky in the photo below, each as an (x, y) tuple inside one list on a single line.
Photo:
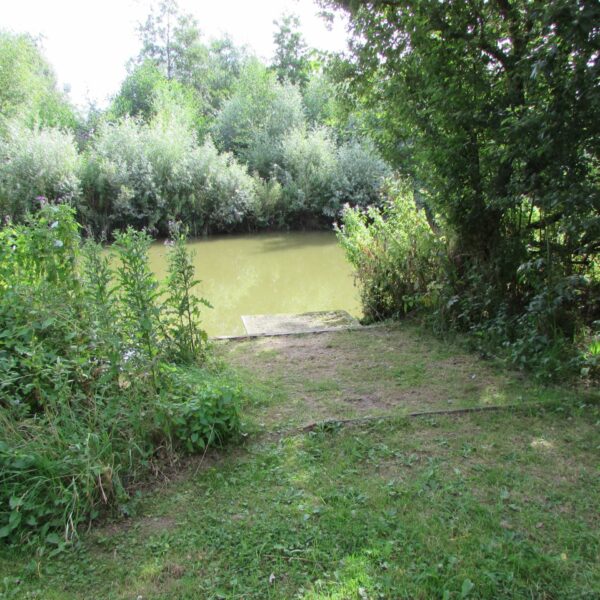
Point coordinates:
[(88, 42)]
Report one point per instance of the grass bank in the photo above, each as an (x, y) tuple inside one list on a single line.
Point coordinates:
[(482, 505)]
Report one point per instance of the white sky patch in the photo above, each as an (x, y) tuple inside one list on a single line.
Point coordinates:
[(88, 42)]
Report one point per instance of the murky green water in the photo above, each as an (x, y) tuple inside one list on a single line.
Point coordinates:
[(267, 273)]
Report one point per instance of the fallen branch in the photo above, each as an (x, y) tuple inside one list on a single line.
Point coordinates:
[(427, 413)]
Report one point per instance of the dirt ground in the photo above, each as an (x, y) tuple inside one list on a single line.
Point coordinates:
[(391, 370)]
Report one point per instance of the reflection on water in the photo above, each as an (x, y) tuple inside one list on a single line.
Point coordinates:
[(267, 273)]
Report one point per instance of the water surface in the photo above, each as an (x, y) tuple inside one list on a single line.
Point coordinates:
[(267, 273)]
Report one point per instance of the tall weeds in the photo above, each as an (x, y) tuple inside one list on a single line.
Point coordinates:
[(91, 392)]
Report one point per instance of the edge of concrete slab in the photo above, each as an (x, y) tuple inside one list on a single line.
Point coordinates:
[(298, 322), (248, 336)]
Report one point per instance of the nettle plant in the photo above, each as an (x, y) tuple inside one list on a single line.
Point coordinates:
[(95, 359)]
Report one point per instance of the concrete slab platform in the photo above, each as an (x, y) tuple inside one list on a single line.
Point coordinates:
[(299, 323)]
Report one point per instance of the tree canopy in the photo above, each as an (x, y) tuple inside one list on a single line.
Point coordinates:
[(28, 87), (491, 109)]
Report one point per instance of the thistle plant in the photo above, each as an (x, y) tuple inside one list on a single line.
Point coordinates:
[(182, 304), (139, 294), (100, 301)]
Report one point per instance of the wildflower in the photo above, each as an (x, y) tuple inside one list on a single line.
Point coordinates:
[(129, 354), (58, 243)]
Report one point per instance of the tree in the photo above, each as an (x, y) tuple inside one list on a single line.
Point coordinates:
[(492, 108), (495, 100), (28, 87), (172, 43), (291, 60), (254, 120), (158, 39), (226, 62), (136, 96)]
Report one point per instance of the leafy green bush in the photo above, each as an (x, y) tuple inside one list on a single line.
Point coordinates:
[(223, 191), (544, 332), (118, 182), (146, 175), (359, 177), (308, 173), (395, 254), (36, 162), (269, 208), (402, 264), (253, 121), (87, 373), (200, 411), (284, 113)]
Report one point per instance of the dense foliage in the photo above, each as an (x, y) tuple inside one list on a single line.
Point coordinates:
[(490, 109), (200, 132), (395, 254), (28, 86), (93, 389), (37, 162)]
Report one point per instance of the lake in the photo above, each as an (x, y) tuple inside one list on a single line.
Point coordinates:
[(267, 273)]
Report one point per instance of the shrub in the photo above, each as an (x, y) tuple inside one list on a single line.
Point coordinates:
[(33, 163), (200, 411), (169, 140), (395, 253), (269, 208), (285, 113), (223, 191), (88, 373), (138, 174), (118, 179), (359, 176), (253, 122), (309, 163)]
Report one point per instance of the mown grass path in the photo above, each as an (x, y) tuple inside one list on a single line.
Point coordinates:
[(477, 505)]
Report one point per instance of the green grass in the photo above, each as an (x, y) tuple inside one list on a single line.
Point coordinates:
[(395, 509), (482, 505)]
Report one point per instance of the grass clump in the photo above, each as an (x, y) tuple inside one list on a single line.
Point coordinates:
[(95, 383)]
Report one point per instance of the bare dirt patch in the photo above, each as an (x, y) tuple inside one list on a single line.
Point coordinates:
[(372, 371)]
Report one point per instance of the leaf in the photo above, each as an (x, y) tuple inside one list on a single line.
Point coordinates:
[(466, 588), (14, 519), (15, 502), (5, 531), (53, 538)]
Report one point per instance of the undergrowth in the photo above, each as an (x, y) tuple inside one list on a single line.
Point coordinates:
[(101, 375), (538, 314)]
